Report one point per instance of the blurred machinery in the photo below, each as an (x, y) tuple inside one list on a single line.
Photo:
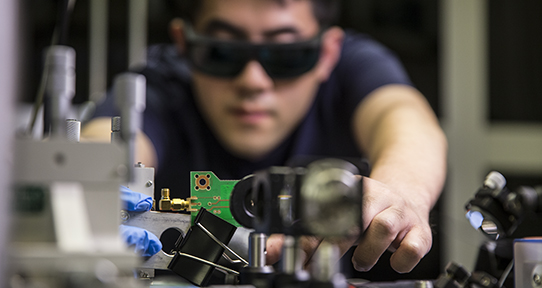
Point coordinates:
[(66, 200), (512, 221), (322, 200)]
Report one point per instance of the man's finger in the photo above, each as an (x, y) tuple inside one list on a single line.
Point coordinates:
[(309, 244), (343, 244), (274, 248), (378, 237), (414, 246)]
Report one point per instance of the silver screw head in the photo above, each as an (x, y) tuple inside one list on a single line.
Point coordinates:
[(124, 216)]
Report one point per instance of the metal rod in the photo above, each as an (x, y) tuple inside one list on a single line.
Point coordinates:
[(221, 244), (60, 86), (208, 263), (99, 21), (137, 33), (505, 274), (256, 249), (130, 93)]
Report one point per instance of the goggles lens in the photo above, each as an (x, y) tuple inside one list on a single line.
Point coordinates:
[(224, 58)]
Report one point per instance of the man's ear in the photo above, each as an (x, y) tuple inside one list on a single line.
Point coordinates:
[(332, 41), (176, 33)]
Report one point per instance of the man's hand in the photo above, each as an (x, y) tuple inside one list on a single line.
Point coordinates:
[(392, 220)]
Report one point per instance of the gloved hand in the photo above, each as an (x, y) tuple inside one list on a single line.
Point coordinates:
[(145, 243)]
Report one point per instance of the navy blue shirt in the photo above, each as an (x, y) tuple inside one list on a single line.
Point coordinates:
[(185, 143)]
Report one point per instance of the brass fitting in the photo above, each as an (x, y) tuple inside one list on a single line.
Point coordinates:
[(165, 202), (178, 204), (175, 204)]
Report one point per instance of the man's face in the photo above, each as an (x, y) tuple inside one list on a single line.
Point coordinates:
[(252, 113)]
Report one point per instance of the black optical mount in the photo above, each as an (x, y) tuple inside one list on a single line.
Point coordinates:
[(322, 200), (502, 213)]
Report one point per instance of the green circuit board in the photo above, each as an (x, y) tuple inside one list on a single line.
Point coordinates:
[(211, 193)]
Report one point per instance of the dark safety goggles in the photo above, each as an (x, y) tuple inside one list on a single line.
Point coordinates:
[(227, 58)]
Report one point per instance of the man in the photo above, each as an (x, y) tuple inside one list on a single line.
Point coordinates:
[(269, 80)]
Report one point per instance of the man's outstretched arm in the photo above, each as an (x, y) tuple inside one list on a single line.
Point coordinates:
[(396, 128), (401, 136)]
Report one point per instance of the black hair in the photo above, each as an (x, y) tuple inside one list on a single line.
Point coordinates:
[(325, 11)]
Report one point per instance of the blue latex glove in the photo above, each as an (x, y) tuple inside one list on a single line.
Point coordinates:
[(145, 243), (133, 201)]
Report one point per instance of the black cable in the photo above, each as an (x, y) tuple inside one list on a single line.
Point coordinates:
[(63, 20)]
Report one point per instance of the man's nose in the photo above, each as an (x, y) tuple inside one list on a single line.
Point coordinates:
[(253, 78)]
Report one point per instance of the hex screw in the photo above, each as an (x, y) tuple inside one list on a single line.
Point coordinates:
[(537, 279), (124, 216), (149, 183), (485, 281)]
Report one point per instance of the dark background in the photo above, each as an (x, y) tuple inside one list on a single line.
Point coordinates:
[(409, 27)]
